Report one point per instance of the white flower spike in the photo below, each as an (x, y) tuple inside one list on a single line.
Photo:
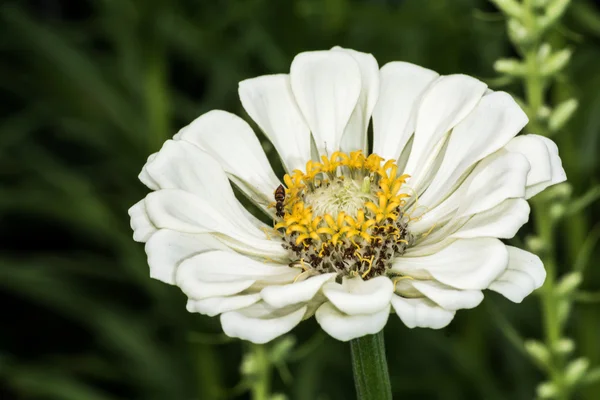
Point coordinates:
[(413, 228)]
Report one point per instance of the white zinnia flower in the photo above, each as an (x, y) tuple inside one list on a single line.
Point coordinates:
[(415, 227)]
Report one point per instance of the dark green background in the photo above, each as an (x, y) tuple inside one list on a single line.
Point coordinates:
[(88, 89)]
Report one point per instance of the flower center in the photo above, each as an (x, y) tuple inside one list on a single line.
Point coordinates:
[(344, 215)]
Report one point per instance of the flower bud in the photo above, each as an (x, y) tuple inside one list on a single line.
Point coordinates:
[(538, 350), (517, 32), (554, 11), (564, 346), (561, 114), (249, 365), (568, 283), (535, 244), (510, 66), (510, 7), (557, 210), (544, 112), (560, 192), (563, 311), (546, 390), (576, 370), (544, 52), (555, 62)]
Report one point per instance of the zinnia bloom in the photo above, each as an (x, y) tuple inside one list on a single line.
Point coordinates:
[(411, 227)]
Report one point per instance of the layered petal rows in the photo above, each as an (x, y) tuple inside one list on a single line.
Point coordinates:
[(470, 177)]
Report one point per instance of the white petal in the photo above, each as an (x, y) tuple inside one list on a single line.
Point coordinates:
[(464, 264), (217, 305), (231, 141), (421, 250), (199, 290), (446, 102), (147, 179), (255, 221), (258, 247), (181, 165), (355, 134), (224, 266), (524, 274), (494, 121), (326, 85), (401, 86), (166, 249), (294, 293), (355, 296), (269, 101), (142, 226), (542, 154), (502, 221), (558, 173), (421, 313), (496, 178), (185, 212), (403, 159), (261, 323), (448, 297), (182, 211), (536, 153), (347, 327)]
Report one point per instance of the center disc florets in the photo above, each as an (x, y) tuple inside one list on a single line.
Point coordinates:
[(344, 215)]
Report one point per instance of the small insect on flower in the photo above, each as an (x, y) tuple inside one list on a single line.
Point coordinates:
[(279, 199), (412, 228)]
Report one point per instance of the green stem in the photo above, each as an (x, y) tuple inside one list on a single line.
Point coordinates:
[(534, 91), (369, 365), (545, 226), (262, 381), (545, 230), (527, 39), (550, 302)]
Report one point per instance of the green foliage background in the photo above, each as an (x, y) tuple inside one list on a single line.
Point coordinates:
[(88, 89)]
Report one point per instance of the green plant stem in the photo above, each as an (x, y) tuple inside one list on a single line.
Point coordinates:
[(369, 365), (261, 383), (550, 302), (534, 91)]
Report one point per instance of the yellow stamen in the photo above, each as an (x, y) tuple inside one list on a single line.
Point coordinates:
[(400, 278), (299, 275), (266, 231), (429, 231), (370, 261)]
